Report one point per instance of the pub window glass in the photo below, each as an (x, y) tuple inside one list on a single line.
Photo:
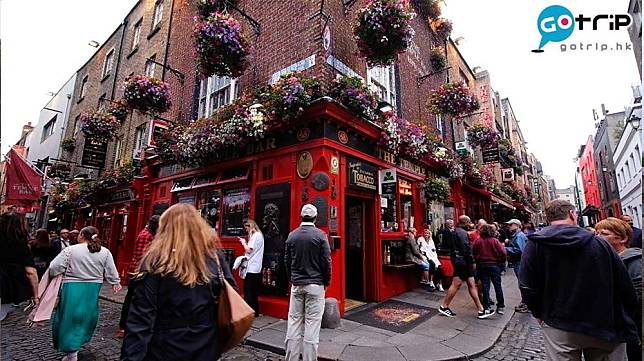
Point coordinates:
[(209, 206), (406, 202), (388, 219), (236, 205)]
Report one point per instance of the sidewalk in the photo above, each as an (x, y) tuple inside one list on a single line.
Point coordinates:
[(438, 338)]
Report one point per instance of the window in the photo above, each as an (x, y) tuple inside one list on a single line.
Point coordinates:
[(215, 92), (382, 81), (107, 65), (158, 14), (77, 124), (49, 128), (117, 153), (83, 87), (464, 78), (628, 171), (634, 171), (140, 141), (136, 38), (150, 66), (439, 124), (102, 102)]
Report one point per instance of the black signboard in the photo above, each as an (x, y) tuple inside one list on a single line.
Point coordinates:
[(236, 205), (122, 195), (272, 214), (94, 153), (362, 175), (490, 153)]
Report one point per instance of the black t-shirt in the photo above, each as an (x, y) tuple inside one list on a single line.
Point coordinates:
[(17, 253), (14, 284)]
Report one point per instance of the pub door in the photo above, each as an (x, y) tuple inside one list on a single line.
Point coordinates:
[(356, 245)]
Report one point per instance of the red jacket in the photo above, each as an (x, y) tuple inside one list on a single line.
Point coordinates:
[(141, 244), (488, 251)]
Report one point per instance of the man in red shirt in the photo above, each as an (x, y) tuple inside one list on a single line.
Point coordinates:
[(141, 244)]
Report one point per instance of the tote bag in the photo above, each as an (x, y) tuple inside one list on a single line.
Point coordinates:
[(234, 316)]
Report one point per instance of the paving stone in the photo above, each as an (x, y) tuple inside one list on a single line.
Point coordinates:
[(348, 325), (367, 330), (330, 350), (280, 325), (263, 321), (373, 340), (346, 338), (358, 353), (272, 339), (429, 351), (329, 334), (468, 344)]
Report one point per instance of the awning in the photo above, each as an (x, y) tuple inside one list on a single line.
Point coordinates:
[(500, 201), (480, 191), (590, 210)]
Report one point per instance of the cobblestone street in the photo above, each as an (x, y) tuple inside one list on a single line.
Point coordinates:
[(522, 340)]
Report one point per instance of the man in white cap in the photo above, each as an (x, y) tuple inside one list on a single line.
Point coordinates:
[(307, 258), (514, 248)]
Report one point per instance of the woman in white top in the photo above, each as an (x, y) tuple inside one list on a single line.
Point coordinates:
[(84, 266), (428, 249), (254, 252)]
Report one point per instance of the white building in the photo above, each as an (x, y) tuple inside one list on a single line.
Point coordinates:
[(44, 140), (567, 194), (628, 161)]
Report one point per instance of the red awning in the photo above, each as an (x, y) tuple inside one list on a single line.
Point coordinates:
[(480, 191), (23, 183), (500, 201)]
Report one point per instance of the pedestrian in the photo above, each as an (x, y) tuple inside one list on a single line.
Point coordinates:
[(428, 250), (463, 263), (476, 233), (73, 236), (42, 251), (636, 241), (141, 245), (308, 266), (488, 254), (577, 287), (18, 275), (84, 267), (173, 315), (62, 241), (413, 255), (619, 234), (446, 238), (514, 248), (254, 252)]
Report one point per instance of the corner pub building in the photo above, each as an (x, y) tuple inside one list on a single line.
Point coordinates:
[(366, 199)]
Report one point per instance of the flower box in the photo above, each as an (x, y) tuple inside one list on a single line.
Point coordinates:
[(99, 125), (453, 99)]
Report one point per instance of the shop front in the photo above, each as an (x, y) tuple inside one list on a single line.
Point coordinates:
[(366, 200)]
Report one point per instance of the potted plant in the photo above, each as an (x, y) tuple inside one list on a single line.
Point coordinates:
[(99, 125), (119, 109), (436, 189), (206, 8), (383, 30), (68, 144), (437, 58), (453, 99), (480, 135), (288, 97), (221, 47), (147, 94), (353, 94)]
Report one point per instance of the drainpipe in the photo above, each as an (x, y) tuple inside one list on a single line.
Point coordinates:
[(118, 63), (167, 42)]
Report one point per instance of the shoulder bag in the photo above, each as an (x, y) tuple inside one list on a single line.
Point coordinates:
[(234, 315), (48, 292)]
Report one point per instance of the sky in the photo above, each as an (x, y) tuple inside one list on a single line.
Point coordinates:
[(553, 94)]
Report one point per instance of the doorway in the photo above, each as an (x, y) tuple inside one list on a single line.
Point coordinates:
[(355, 249)]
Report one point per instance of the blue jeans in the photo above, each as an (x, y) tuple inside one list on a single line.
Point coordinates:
[(516, 268), (493, 273)]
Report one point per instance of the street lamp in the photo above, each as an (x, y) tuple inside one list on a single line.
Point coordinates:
[(94, 44), (635, 121)]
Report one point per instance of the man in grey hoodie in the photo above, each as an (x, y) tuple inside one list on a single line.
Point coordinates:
[(579, 289)]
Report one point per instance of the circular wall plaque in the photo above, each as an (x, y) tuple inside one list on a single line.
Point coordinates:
[(320, 181), (304, 164), (303, 134), (343, 137)]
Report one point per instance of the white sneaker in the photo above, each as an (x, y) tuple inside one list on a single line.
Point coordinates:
[(431, 284), (440, 288)]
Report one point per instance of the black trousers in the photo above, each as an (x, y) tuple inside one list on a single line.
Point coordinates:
[(126, 304), (252, 286)]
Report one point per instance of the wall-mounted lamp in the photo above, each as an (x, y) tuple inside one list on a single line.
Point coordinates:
[(459, 40), (635, 121), (94, 44)]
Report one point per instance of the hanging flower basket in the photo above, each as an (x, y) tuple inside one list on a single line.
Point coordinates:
[(442, 27), (288, 97), (353, 94), (146, 94), (429, 8), (68, 144), (383, 30), (453, 99), (99, 125), (221, 47), (481, 135), (437, 58), (205, 8), (436, 189), (122, 174), (401, 137), (119, 109)]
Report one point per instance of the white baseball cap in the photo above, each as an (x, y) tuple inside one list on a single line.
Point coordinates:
[(309, 211), (514, 221)]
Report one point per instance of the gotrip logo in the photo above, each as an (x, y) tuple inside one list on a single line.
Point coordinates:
[(556, 23)]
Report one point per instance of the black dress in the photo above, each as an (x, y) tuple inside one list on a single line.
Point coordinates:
[(14, 284), (169, 321)]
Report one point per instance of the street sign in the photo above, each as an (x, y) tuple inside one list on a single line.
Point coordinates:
[(490, 153), (157, 126), (507, 174), (461, 148), (94, 153)]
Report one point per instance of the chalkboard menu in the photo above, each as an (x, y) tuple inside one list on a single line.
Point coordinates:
[(490, 153), (361, 174), (272, 214), (236, 204), (94, 153)]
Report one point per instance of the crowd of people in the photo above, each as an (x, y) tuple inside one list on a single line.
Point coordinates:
[(584, 287)]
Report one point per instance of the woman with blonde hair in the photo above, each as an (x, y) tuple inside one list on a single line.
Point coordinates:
[(254, 252), (84, 266), (173, 315)]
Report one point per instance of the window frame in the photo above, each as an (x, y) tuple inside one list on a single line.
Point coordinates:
[(140, 135), (107, 71), (49, 128), (136, 35), (375, 85), (83, 87), (206, 98), (150, 64), (118, 149), (158, 10)]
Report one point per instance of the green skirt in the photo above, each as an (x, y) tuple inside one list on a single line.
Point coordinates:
[(76, 316)]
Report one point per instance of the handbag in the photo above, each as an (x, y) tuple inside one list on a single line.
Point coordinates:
[(49, 294), (234, 316)]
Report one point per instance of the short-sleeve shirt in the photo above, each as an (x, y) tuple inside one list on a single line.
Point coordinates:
[(18, 254), (256, 256)]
